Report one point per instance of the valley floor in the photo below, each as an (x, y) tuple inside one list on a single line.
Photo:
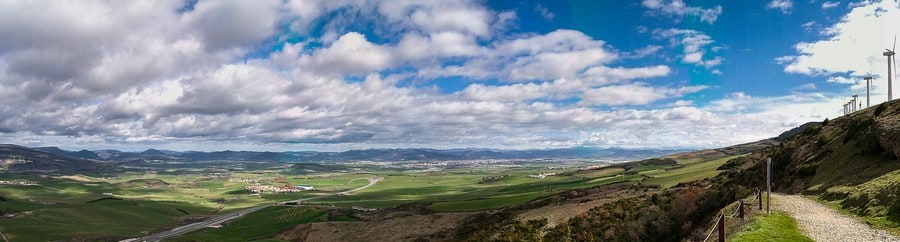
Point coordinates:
[(824, 224)]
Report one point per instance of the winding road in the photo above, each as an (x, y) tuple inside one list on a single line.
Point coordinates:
[(180, 230)]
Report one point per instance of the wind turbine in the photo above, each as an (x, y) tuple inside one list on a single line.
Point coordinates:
[(889, 53), (868, 79)]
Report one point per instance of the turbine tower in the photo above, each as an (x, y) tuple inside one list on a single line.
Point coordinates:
[(868, 79), (889, 53), (853, 103)]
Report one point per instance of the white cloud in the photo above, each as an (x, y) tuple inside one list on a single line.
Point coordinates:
[(351, 54), (415, 48), (558, 54), (696, 45), (784, 6), (682, 103), (230, 24), (679, 9), (544, 12), (433, 20), (140, 73), (807, 86), (841, 79), (519, 92), (828, 5), (643, 52), (633, 94), (604, 74), (851, 48), (808, 26), (94, 49)]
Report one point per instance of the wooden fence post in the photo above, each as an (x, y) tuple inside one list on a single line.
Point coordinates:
[(721, 228), (741, 207), (759, 197)]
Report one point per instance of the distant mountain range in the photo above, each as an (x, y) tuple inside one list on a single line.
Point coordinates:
[(412, 154), (56, 160), (23, 159)]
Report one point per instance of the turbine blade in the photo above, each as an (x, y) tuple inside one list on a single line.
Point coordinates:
[(895, 43)]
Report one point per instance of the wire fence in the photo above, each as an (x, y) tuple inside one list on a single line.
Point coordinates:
[(738, 210)]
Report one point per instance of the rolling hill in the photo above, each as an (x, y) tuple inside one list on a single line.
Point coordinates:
[(15, 158)]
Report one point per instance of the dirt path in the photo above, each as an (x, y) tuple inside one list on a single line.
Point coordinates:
[(824, 224)]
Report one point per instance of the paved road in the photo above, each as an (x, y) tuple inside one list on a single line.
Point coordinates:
[(235, 215), (824, 224)]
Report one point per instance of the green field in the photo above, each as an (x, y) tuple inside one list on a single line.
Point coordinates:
[(603, 172), (58, 208), (770, 227), (151, 200), (689, 172), (261, 225), (109, 219)]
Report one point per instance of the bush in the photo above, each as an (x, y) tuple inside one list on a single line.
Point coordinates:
[(856, 128), (822, 141), (880, 109)]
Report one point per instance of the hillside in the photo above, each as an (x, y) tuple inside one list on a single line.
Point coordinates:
[(22, 159), (850, 161)]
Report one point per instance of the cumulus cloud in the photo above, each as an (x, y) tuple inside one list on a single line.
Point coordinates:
[(558, 54), (850, 49), (223, 74), (99, 48), (350, 54), (827, 5), (784, 6), (695, 46), (230, 24), (634, 94), (679, 9), (604, 74)]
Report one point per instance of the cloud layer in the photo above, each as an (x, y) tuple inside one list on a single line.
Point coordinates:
[(360, 74)]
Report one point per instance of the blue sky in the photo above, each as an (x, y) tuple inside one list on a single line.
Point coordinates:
[(353, 74)]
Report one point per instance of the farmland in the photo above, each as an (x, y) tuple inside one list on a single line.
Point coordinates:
[(132, 204)]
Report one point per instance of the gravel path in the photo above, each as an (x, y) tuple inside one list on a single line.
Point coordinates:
[(823, 224)]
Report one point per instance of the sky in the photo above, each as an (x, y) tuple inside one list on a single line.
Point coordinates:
[(332, 75)]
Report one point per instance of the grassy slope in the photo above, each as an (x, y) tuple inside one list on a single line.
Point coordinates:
[(260, 225), (664, 175), (841, 163), (844, 165), (689, 172), (108, 218), (772, 227)]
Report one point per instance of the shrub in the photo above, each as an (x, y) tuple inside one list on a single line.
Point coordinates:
[(880, 109)]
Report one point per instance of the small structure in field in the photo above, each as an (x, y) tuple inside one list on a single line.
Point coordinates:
[(305, 187), (358, 208)]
